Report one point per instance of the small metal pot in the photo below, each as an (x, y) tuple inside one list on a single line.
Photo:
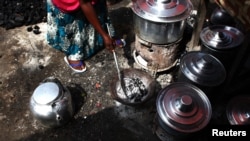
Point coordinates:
[(51, 103), (183, 109), (223, 42), (161, 21), (238, 110), (202, 70)]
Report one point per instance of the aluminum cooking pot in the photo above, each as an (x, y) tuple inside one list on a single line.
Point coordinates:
[(161, 21), (223, 42), (183, 109), (51, 103), (202, 70), (238, 110)]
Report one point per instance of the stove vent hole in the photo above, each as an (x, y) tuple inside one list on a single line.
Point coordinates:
[(150, 50)]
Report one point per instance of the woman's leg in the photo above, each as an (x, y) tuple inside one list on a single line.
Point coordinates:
[(73, 35)]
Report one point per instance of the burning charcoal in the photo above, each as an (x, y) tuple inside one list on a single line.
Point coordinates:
[(135, 89)]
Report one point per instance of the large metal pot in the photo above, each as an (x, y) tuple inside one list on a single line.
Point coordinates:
[(51, 103), (161, 21), (223, 42), (202, 70), (183, 109)]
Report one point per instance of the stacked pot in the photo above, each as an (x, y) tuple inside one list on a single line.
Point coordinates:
[(183, 110), (238, 110), (184, 107), (202, 70), (223, 42)]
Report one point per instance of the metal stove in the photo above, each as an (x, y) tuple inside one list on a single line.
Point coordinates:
[(159, 27), (156, 57)]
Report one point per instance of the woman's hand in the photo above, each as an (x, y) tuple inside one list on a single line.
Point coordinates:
[(108, 42), (90, 14)]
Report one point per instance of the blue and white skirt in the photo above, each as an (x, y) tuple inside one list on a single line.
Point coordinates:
[(72, 34)]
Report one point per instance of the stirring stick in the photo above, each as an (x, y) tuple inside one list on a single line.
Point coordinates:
[(117, 66)]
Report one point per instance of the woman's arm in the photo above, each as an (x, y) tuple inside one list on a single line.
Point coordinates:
[(90, 14)]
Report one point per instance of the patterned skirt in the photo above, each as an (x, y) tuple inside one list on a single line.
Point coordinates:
[(72, 34)]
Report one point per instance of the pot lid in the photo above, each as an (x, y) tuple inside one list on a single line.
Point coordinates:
[(238, 110), (202, 68), (221, 37), (162, 10), (46, 93), (184, 107)]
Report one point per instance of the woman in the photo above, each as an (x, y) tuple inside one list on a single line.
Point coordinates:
[(78, 29)]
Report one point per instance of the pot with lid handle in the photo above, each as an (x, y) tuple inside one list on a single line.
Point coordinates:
[(183, 108), (223, 42), (238, 110), (202, 70), (161, 21)]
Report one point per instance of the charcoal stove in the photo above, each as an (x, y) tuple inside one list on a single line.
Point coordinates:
[(159, 26), (155, 57)]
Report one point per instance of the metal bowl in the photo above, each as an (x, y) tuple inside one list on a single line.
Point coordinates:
[(136, 87)]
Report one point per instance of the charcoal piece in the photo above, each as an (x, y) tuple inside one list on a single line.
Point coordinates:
[(9, 26), (29, 20), (27, 12), (36, 31), (135, 89), (36, 27), (30, 28), (19, 18), (1, 15)]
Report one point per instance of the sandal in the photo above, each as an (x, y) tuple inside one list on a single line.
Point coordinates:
[(81, 63)]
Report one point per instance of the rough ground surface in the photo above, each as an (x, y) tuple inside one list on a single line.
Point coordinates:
[(26, 60)]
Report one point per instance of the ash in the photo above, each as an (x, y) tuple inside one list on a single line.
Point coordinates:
[(134, 90)]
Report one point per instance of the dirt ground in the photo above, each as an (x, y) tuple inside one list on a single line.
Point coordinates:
[(26, 60)]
